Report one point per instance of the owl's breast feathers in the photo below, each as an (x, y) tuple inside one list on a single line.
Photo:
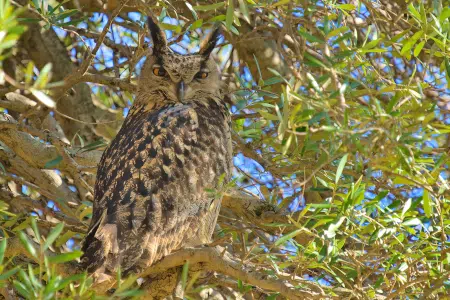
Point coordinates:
[(150, 196)]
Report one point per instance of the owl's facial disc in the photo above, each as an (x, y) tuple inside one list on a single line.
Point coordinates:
[(181, 78)]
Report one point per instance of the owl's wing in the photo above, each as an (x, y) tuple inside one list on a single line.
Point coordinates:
[(150, 193)]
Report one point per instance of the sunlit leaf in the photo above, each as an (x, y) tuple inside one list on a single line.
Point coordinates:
[(230, 14), (287, 237), (427, 203), (340, 168), (27, 244), (53, 235), (3, 244), (43, 98), (65, 257), (310, 37)]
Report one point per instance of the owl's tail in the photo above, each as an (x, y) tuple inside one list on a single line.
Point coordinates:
[(93, 252)]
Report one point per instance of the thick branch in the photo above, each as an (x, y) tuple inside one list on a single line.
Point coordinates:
[(38, 154), (17, 102), (216, 260)]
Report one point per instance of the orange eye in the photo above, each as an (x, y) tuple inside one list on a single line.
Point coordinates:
[(202, 75), (159, 71)]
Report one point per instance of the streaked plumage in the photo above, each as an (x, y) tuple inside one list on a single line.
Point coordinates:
[(150, 196)]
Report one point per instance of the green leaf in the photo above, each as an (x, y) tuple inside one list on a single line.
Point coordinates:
[(54, 162), (64, 238), (273, 296), (314, 83), (314, 61), (373, 50), (184, 274), (406, 207), (340, 168), (418, 48), (191, 8), (34, 281), (22, 289), (7, 274), (126, 284), (171, 27), (268, 116), (52, 10), (414, 11), (337, 31), (411, 42), (44, 77), (244, 10), (333, 227), (196, 24), (346, 6), (65, 14), (64, 282), (53, 235), (403, 267), (3, 244), (129, 293), (280, 3), (412, 222), (230, 14), (445, 14), (43, 98), (311, 37), (35, 229), (23, 225), (287, 237), (93, 146), (447, 65), (259, 69), (427, 203), (27, 244), (71, 22), (65, 257), (36, 4)]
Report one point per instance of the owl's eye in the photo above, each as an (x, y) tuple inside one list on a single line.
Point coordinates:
[(158, 71), (201, 75)]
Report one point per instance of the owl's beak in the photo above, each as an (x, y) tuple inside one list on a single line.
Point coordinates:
[(180, 90)]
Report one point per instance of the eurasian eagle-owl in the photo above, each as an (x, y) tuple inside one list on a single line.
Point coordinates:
[(150, 193)]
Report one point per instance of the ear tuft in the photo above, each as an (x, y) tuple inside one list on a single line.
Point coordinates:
[(208, 45), (158, 36)]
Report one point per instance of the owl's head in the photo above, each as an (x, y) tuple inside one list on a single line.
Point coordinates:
[(177, 77)]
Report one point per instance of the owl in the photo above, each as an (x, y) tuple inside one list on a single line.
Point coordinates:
[(151, 192)]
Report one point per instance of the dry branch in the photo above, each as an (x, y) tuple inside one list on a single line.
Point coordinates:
[(109, 81)]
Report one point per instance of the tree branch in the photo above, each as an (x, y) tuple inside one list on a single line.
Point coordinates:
[(215, 259), (109, 81)]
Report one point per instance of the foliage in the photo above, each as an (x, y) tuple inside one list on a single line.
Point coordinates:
[(342, 131), (10, 30)]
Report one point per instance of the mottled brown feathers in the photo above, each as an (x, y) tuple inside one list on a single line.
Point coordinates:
[(150, 196), (158, 36), (210, 42)]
